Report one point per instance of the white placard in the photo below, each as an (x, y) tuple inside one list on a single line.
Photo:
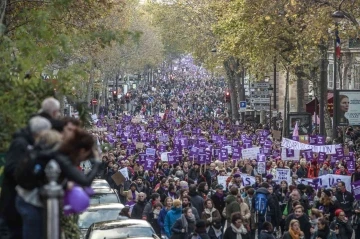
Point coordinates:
[(283, 174), (164, 156), (296, 156), (247, 180), (125, 173), (250, 153), (222, 180)]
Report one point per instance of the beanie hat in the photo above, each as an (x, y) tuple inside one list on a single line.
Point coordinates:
[(337, 212), (176, 203), (201, 224)]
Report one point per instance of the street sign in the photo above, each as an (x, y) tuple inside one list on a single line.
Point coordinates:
[(260, 85), (242, 106), (260, 100), (94, 101)]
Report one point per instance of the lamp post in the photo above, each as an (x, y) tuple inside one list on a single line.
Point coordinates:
[(337, 16), (270, 89)]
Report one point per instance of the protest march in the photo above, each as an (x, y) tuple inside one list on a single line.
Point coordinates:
[(179, 162)]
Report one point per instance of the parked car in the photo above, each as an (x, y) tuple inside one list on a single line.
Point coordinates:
[(104, 196), (98, 213), (100, 183), (121, 229)]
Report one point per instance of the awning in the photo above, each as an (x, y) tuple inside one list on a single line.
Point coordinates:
[(310, 106)]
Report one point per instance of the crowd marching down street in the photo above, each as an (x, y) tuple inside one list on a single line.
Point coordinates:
[(176, 159)]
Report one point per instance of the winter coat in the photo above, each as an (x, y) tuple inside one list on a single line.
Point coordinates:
[(161, 219), (248, 202), (266, 235), (170, 218), (304, 221), (216, 217), (231, 206), (219, 202), (197, 201), (345, 229), (230, 234), (345, 200), (178, 226), (138, 209)]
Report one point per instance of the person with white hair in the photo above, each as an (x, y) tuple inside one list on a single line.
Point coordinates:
[(17, 152), (50, 109)]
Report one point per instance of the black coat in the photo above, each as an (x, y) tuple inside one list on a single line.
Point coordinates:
[(304, 224), (178, 226), (138, 209), (266, 235), (219, 202), (16, 153)]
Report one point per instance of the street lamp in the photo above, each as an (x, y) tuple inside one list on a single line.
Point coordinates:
[(337, 16)]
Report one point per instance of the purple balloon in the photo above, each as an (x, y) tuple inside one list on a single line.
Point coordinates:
[(76, 200)]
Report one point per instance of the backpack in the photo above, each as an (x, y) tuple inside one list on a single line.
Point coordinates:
[(30, 171), (261, 203)]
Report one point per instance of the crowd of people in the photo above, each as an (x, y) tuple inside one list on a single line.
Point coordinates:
[(184, 169)]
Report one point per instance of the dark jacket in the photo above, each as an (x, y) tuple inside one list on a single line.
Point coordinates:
[(231, 206), (266, 235), (194, 174), (274, 211), (345, 200), (138, 209), (17, 151), (302, 172), (219, 202), (286, 236), (345, 229), (230, 234), (178, 226), (305, 224), (197, 202)]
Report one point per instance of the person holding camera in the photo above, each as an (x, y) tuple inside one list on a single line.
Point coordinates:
[(341, 225)]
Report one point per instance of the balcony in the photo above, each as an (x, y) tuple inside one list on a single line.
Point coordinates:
[(354, 43)]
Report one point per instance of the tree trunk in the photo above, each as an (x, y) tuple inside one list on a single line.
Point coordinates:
[(89, 90), (300, 86), (232, 68), (286, 103)]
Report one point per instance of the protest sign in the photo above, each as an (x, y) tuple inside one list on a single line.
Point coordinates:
[(355, 186), (247, 180), (222, 180), (164, 156), (261, 163), (150, 151), (250, 153), (125, 173), (283, 174), (285, 156), (118, 178), (276, 134)]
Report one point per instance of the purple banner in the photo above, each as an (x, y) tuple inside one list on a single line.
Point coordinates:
[(320, 140), (355, 186), (351, 166), (313, 139), (322, 157)]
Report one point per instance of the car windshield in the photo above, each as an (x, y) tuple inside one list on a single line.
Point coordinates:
[(92, 216), (122, 232), (103, 198)]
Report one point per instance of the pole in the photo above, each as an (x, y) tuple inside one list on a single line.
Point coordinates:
[(270, 113), (335, 134), (116, 88), (52, 192), (275, 80), (323, 86), (316, 103)]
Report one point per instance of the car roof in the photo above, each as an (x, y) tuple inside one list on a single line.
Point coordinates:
[(121, 223), (103, 190), (105, 206)]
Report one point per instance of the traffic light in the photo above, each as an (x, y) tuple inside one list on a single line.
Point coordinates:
[(227, 96), (115, 98), (127, 98)]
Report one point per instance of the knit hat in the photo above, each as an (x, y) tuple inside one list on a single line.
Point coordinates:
[(337, 212), (269, 176), (301, 187), (176, 203), (184, 185)]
